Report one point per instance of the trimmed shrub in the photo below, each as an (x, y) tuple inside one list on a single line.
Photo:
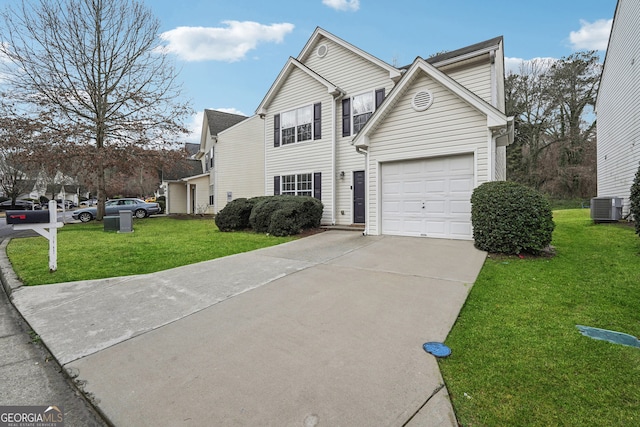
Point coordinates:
[(510, 218), (235, 215), (634, 201), (296, 213)]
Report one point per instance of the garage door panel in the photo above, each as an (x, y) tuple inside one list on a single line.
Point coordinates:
[(461, 164), (460, 229), (436, 207), (413, 187), (411, 207), (435, 186), (459, 207), (464, 185), (428, 197)]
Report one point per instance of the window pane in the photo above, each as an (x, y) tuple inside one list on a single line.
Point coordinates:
[(359, 121), (363, 103), (305, 115), (304, 132), (288, 136), (288, 119), (288, 184), (304, 184)]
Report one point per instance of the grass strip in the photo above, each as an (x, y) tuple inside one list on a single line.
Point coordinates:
[(517, 357), (86, 251)]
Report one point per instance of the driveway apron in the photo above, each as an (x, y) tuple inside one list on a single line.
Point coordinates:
[(325, 330)]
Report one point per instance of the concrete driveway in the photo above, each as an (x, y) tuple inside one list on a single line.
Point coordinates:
[(325, 330)]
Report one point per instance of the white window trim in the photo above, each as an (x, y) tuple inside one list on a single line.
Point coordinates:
[(296, 183), (282, 143), (352, 103)]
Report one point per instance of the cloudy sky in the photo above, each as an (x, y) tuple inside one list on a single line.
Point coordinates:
[(231, 51)]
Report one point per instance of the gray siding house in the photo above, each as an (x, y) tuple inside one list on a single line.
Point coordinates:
[(618, 106)]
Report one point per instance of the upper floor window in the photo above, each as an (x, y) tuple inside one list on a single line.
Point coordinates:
[(301, 124), (357, 109), (296, 125)]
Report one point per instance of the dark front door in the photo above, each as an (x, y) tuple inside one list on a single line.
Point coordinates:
[(358, 197)]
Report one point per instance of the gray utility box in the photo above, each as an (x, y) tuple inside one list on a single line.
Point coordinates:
[(111, 223), (126, 222)]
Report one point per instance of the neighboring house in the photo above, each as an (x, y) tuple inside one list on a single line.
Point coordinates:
[(178, 183), (618, 106), (238, 163), (197, 192), (397, 150)]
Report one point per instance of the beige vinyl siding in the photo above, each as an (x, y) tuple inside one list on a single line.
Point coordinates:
[(200, 205), (450, 126), (177, 197), (239, 162), (347, 70), (354, 75), (476, 78), (312, 156), (618, 106)]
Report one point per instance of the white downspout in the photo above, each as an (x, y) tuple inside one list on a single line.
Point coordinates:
[(334, 188)]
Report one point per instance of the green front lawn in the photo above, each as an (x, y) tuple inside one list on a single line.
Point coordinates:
[(517, 358), (85, 251)]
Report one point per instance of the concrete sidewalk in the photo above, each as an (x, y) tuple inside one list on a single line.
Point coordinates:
[(325, 330)]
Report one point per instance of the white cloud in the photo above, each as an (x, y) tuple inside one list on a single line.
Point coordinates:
[(342, 4), (520, 66), (230, 43), (195, 127), (591, 35)]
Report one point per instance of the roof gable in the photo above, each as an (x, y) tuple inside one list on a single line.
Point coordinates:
[(495, 118), (394, 73), (292, 64), (217, 121)]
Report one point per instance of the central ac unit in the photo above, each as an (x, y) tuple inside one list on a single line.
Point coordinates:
[(604, 209)]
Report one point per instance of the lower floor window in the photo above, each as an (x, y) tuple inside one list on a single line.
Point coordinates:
[(211, 196), (297, 185)]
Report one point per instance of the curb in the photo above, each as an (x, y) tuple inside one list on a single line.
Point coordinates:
[(8, 277)]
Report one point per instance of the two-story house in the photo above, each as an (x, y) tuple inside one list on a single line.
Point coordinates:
[(395, 150)]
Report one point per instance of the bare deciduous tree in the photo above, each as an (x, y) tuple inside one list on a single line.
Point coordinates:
[(98, 65), (554, 148)]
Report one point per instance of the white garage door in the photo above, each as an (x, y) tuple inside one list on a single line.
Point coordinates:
[(428, 197)]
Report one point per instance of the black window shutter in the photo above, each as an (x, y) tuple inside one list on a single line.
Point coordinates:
[(276, 130), (276, 185), (317, 185), (317, 121), (346, 117), (379, 97)]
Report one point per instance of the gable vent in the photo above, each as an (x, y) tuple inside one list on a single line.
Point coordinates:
[(422, 100), (322, 50)]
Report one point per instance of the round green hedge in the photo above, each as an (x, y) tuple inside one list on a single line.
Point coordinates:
[(235, 215), (510, 218)]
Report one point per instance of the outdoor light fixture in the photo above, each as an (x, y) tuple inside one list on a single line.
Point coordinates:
[(342, 175)]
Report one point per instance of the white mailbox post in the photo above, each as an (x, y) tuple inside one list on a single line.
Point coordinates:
[(37, 221)]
